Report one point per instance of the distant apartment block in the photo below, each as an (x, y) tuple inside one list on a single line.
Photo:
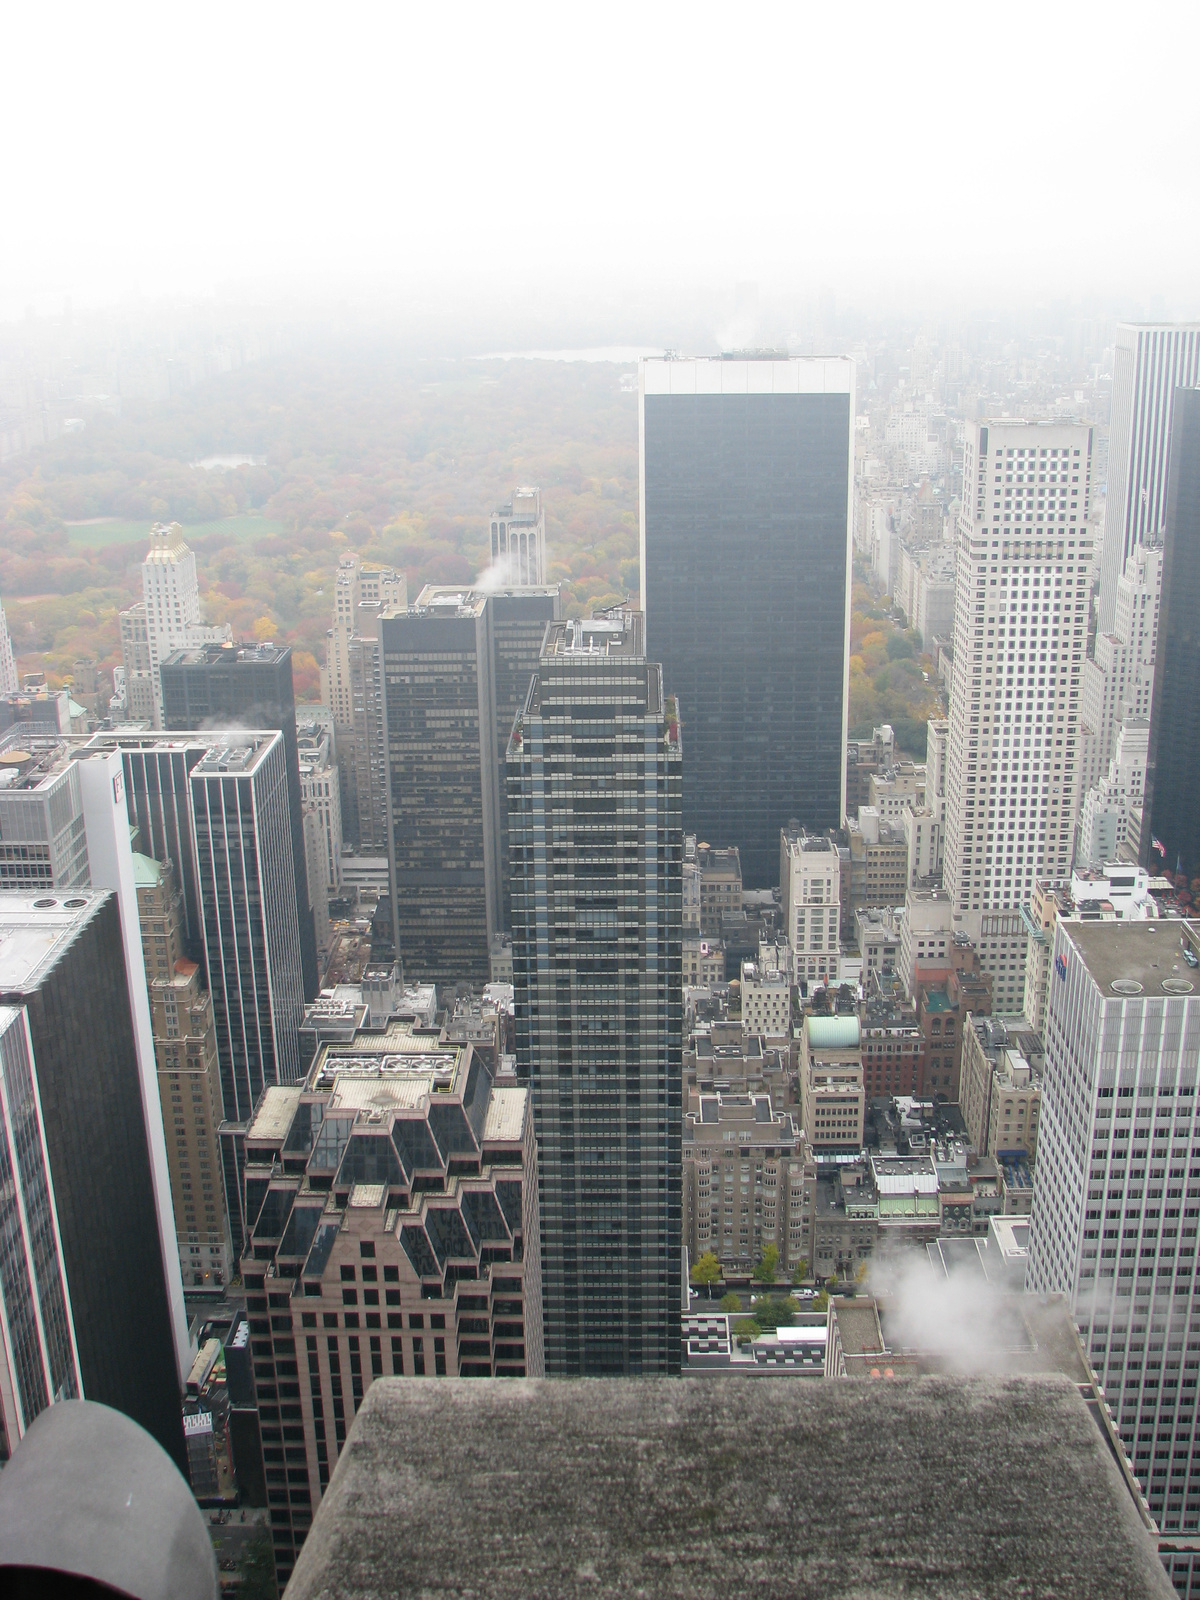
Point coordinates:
[(766, 1001), (1001, 1089), (832, 1097), (748, 1182), (810, 888)]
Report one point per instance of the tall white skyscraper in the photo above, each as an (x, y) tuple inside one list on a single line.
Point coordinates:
[(1150, 361), (1116, 1204), (1020, 625), (168, 618), (8, 665), (1118, 681)]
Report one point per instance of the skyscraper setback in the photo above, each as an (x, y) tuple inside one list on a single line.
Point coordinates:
[(746, 482), (1150, 361), (596, 845)]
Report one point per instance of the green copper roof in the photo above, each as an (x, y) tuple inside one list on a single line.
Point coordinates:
[(832, 1033), (146, 871)]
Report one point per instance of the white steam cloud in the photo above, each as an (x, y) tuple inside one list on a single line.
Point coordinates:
[(498, 576), (962, 1320)]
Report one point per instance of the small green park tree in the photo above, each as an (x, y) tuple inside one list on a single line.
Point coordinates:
[(768, 1265), (706, 1272)]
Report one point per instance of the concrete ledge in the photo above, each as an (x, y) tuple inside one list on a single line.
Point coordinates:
[(517, 1489)]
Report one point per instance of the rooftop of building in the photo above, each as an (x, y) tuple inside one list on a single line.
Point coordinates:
[(1132, 958), (615, 633), (35, 929), (235, 753), (147, 872), (618, 1480), (469, 600), (832, 1033), (398, 1063), (523, 505), (202, 655), (166, 542), (30, 761), (795, 839)]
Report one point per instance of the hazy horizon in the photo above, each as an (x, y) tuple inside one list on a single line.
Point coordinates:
[(610, 162)]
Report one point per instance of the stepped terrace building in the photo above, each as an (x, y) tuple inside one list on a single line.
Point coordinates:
[(392, 1212)]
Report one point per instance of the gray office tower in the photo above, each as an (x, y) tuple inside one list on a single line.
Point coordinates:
[(596, 861), (1170, 815), (83, 1278), (1150, 361), (157, 769), (247, 892), (746, 479), (456, 666), (248, 686)]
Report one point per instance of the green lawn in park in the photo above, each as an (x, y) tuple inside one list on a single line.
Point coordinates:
[(96, 535)]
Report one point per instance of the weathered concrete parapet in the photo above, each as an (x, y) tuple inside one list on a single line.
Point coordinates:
[(522, 1489)]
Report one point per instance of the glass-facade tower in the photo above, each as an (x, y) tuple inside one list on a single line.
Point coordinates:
[(1170, 813), (596, 863), (746, 475)]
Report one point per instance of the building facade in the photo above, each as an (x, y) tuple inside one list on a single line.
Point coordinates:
[(517, 532), (810, 878), (63, 971), (1119, 679), (1173, 763), (1115, 1207), (39, 1362), (596, 844), (1024, 554), (189, 1078), (832, 1097), (352, 687), (9, 683), (748, 1182), (746, 490), (1150, 361), (247, 893), (248, 686), (393, 1206)]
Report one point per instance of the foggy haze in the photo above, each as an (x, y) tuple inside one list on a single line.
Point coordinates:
[(593, 165)]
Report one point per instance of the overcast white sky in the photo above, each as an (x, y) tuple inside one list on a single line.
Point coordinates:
[(1030, 149)]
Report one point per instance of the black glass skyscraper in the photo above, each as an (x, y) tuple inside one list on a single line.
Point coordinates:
[(596, 863), (1171, 812), (62, 967), (247, 686), (746, 566), (456, 667)]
